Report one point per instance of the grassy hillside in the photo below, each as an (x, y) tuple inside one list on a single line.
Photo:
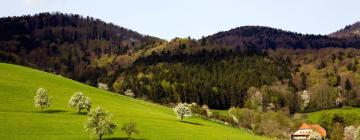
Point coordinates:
[(316, 116), (20, 120)]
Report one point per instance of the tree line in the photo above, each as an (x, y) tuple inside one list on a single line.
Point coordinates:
[(219, 79)]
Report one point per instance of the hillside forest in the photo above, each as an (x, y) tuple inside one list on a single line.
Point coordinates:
[(252, 67)]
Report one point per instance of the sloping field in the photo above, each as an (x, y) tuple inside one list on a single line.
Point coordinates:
[(20, 120)]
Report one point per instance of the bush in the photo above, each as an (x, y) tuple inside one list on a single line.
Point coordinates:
[(245, 117), (196, 109), (129, 93), (275, 124), (270, 123), (103, 86), (315, 136)]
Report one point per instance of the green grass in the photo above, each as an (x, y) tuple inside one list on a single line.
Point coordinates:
[(20, 120), (316, 116), (221, 112)]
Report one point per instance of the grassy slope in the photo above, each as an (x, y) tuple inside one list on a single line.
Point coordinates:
[(316, 116), (20, 120), (221, 112)]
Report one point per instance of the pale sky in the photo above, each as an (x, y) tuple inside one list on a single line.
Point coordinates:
[(181, 18)]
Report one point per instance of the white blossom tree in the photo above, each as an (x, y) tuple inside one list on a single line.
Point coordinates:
[(351, 133), (80, 101), (103, 86), (42, 98), (99, 123), (305, 97), (315, 136), (182, 110), (129, 93)]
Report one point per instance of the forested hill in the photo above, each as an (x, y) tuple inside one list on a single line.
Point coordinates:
[(349, 32), (69, 44), (270, 38), (220, 70), (228, 68)]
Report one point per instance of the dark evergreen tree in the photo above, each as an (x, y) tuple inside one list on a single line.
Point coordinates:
[(303, 84)]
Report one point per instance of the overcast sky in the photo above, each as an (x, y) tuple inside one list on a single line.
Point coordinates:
[(181, 18)]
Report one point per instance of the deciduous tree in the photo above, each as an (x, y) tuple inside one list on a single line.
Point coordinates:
[(99, 123), (130, 128), (41, 98), (182, 110), (80, 101)]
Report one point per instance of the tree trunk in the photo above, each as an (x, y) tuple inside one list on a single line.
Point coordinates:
[(100, 136)]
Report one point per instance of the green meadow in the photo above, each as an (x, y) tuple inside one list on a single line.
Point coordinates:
[(316, 116), (20, 120)]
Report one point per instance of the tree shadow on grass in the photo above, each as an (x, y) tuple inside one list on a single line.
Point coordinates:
[(54, 111), (193, 123), (121, 138), (170, 120), (82, 113)]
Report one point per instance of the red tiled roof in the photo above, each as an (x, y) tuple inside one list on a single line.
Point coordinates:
[(305, 126), (319, 129), (315, 127)]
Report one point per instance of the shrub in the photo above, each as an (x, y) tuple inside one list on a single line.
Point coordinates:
[(270, 123), (274, 124), (129, 93), (245, 117), (103, 86), (315, 136), (196, 109)]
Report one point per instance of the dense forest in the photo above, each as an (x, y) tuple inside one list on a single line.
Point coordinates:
[(81, 48), (251, 66), (218, 79)]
